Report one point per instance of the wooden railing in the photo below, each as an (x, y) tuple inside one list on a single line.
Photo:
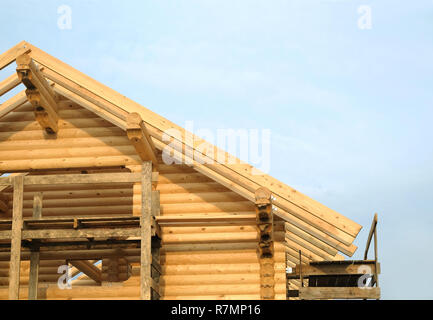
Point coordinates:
[(373, 233)]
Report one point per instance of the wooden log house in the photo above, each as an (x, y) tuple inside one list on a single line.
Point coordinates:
[(84, 185)]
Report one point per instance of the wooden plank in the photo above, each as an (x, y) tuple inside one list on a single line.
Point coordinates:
[(76, 254), (34, 255), (37, 206), (34, 275), (312, 293), (9, 56), (8, 84), (333, 269), (80, 178), (71, 233), (370, 235), (15, 236), (146, 214)]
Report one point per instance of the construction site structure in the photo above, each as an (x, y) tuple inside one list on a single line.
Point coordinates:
[(101, 198)]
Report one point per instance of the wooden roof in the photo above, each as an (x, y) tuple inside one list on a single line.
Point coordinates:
[(308, 221)]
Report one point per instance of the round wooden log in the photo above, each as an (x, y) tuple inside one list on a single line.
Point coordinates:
[(84, 162), (39, 144), (183, 178), (207, 257), (207, 207), (187, 188), (61, 152), (38, 134), (62, 124)]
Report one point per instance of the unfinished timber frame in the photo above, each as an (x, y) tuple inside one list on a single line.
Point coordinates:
[(94, 181)]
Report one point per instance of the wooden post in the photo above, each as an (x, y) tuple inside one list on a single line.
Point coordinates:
[(34, 255), (300, 269), (155, 250), (375, 256), (146, 232), (265, 224), (17, 225)]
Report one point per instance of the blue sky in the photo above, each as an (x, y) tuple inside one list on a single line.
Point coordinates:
[(350, 110)]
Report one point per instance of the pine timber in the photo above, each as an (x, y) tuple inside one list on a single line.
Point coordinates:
[(110, 95), (145, 220), (265, 249), (15, 236), (206, 217), (8, 84), (39, 93), (139, 137), (34, 255)]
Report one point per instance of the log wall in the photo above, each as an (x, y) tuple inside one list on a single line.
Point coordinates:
[(211, 262)]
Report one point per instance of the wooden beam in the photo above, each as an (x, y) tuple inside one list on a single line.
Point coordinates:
[(265, 226), (82, 254), (88, 269), (146, 215), (90, 106), (15, 236), (156, 211), (312, 293), (72, 234), (34, 255), (7, 182), (140, 138), (8, 84), (9, 56), (191, 220), (39, 93), (37, 205), (67, 86), (370, 236), (13, 103), (95, 178), (333, 269)]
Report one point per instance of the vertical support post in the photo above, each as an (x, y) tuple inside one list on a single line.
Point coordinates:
[(375, 256), (146, 232), (34, 255), (300, 269), (17, 225), (155, 250), (265, 224)]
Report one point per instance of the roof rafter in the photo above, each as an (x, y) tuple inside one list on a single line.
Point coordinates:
[(140, 138), (39, 93), (9, 56), (8, 84), (13, 103)]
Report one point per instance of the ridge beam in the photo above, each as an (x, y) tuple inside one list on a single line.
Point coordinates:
[(140, 138), (39, 93)]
